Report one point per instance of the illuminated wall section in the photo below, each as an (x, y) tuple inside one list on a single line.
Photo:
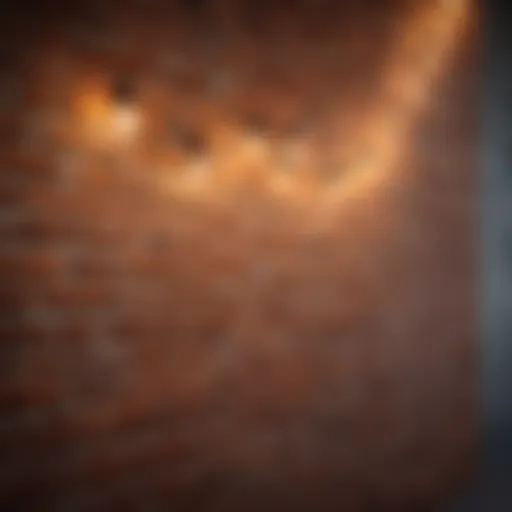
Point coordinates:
[(237, 262)]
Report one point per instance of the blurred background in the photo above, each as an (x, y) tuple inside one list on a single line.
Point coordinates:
[(240, 258), (490, 488)]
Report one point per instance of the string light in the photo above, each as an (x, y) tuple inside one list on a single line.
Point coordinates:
[(432, 32), (112, 115)]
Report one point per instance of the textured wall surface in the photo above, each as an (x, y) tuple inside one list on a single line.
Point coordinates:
[(171, 346)]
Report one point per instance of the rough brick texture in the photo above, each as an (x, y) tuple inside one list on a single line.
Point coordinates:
[(167, 352)]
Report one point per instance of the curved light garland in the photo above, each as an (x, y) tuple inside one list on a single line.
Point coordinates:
[(416, 59)]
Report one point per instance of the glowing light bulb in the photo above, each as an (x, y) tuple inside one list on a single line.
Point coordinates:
[(125, 122)]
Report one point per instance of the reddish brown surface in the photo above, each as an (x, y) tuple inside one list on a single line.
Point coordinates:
[(161, 355)]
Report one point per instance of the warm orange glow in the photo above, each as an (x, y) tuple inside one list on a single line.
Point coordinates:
[(193, 179), (420, 54), (103, 122), (417, 59), (125, 122), (377, 143)]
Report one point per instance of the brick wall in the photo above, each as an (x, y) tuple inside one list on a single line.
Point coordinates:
[(171, 345)]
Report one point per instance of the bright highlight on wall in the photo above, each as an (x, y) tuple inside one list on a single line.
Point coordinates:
[(105, 122), (378, 142), (417, 60)]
